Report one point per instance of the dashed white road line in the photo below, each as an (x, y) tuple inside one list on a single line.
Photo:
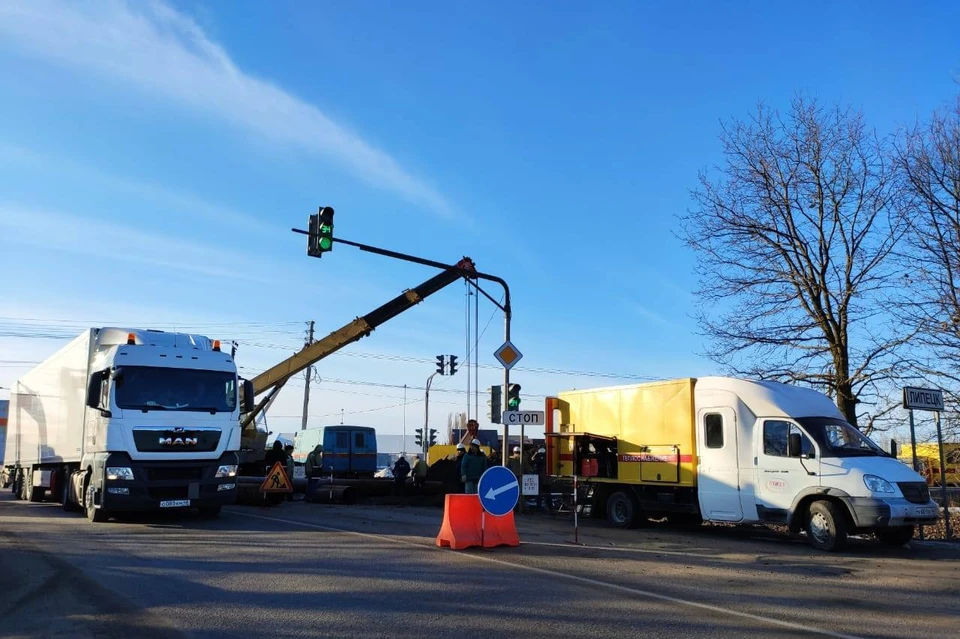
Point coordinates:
[(576, 578)]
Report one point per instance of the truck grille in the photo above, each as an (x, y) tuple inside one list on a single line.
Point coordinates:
[(174, 473), (915, 491), (171, 440)]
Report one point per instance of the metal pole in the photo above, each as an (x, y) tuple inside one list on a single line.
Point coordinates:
[(467, 346), (913, 446), (506, 386), (403, 442), (306, 389), (476, 358), (426, 415), (943, 479)]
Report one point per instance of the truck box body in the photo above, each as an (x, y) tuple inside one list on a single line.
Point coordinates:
[(48, 408), (127, 419), (653, 426), (732, 450)]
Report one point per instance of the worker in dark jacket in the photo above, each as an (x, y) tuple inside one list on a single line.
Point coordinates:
[(472, 467), (400, 471), (457, 470)]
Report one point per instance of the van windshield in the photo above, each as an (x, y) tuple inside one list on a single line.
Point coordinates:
[(155, 388), (837, 438)]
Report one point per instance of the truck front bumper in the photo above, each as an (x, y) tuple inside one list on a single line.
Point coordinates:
[(167, 484), (869, 512)]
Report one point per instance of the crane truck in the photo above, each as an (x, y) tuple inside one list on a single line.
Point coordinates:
[(732, 450), (272, 380)]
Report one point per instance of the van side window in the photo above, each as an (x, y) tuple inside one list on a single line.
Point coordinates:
[(713, 425), (775, 435), (343, 440), (358, 440)]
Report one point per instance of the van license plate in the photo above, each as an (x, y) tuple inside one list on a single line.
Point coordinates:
[(175, 503), (926, 512)]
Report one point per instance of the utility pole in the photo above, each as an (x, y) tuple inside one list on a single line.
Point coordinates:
[(403, 443), (306, 389)]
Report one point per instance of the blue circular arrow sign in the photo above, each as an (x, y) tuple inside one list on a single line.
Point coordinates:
[(498, 490)]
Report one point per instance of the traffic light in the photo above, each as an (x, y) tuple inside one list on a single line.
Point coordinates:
[(313, 239), (440, 359), (494, 404), (513, 397), (433, 436), (418, 438), (325, 241), (453, 364)]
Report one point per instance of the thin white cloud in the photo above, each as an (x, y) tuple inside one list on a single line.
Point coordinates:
[(84, 236), (651, 315), (164, 53), (178, 205)]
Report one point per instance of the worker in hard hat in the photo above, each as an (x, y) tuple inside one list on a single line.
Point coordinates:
[(457, 470), (472, 467), (514, 462)]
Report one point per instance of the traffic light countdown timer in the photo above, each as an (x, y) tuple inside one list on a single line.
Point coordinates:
[(320, 228)]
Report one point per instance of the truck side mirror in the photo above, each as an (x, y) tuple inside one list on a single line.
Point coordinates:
[(93, 389), (894, 449), (794, 445), (249, 399)]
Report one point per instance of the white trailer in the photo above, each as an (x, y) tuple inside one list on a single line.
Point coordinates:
[(128, 419)]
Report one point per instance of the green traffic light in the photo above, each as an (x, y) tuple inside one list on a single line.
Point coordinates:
[(325, 243)]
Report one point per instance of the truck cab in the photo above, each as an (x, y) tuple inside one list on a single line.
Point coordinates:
[(161, 427)]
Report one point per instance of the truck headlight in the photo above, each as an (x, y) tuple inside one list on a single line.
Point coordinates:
[(119, 472), (226, 471), (877, 484)]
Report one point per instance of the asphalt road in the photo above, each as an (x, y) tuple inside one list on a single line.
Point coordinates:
[(302, 570)]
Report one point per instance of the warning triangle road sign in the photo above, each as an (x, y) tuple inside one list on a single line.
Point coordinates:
[(276, 481)]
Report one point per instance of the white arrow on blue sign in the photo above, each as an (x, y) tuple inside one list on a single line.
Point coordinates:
[(498, 490)]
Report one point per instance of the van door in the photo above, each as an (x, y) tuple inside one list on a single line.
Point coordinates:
[(779, 477), (718, 485)]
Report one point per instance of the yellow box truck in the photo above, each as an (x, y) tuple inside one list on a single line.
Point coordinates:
[(732, 450)]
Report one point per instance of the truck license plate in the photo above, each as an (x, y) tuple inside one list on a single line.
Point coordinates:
[(175, 503), (926, 512)]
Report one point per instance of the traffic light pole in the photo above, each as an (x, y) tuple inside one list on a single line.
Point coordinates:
[(469, 276), (426, 416)]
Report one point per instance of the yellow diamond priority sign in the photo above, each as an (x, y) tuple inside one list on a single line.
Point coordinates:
[(508, 355)]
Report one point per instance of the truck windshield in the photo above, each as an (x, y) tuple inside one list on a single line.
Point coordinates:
[(837, 438), (155, 388)]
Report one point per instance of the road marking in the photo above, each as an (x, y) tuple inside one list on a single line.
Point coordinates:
[(642, 551), (584, 580)]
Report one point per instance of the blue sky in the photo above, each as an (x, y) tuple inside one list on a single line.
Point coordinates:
[(153, 157)]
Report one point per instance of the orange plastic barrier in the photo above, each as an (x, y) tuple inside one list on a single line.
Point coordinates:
[(466, 525)]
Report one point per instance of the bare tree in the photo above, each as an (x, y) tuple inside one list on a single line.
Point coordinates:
[(794, 237), (929, 158)]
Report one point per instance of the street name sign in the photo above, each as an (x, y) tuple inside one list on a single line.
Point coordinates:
[(923, 399), (523, 417), (498, 490), (508, 355)]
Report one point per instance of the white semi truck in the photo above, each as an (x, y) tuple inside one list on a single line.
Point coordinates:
[(125, 420)]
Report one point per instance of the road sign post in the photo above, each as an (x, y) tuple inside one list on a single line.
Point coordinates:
[(931, 400)]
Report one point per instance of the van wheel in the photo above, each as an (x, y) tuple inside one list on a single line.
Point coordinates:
[(826, 526), (94, 514), (622, 510), (896, 536)]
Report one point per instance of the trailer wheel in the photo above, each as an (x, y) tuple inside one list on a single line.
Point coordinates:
[(897, 536), (621, 510), (826, 526), (94, 514), (67, 489)]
